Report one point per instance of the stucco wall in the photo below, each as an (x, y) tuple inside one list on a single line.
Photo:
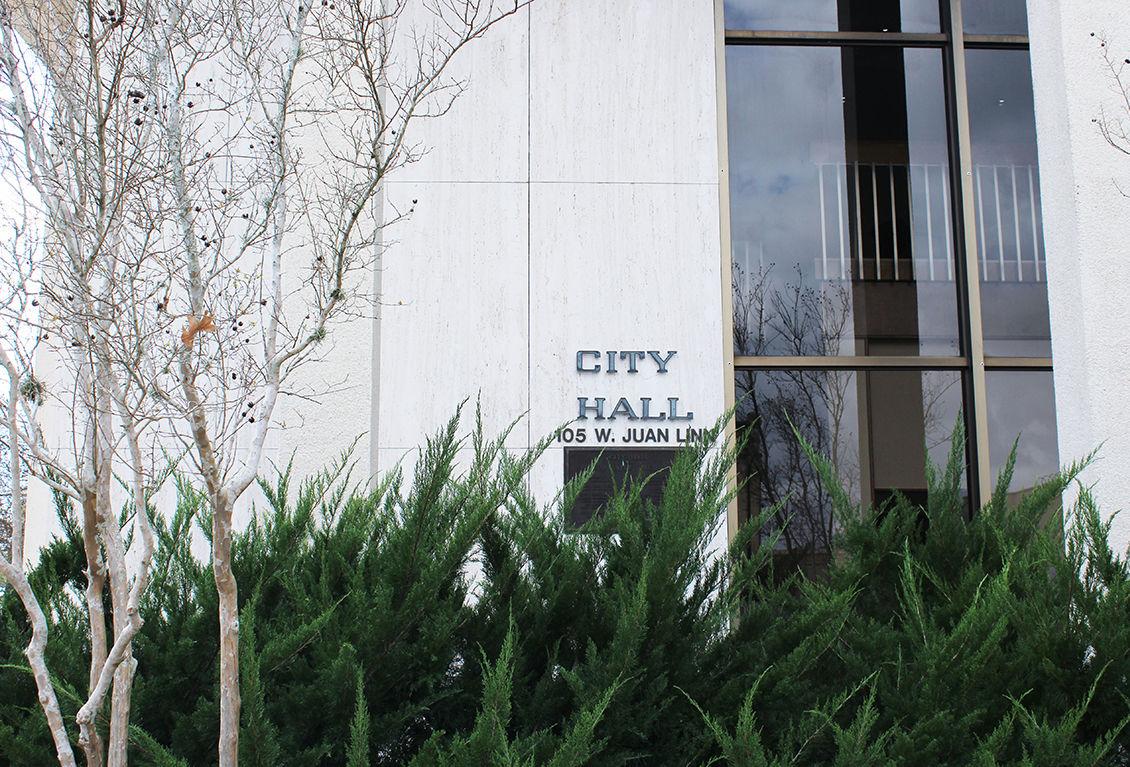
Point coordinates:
[(1087, 229)]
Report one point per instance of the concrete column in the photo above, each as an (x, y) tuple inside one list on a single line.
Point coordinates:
[(1087, 229)]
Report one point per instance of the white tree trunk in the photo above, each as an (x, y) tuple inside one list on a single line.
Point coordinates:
[(122, 620), (35, 651), (229, 630), (15, 467), (96, 614)]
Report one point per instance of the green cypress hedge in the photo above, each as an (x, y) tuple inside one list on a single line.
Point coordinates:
[(447, 619)]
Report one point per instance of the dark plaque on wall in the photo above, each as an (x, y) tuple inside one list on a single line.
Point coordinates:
[(615, 467)]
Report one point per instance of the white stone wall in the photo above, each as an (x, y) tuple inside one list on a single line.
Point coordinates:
[(569, 201), (1087, 230)]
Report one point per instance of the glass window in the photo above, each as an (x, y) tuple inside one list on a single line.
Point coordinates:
[(840, 202), (846, 242), (1014, 296), (879, 429), (830, 15), (994, 17), (1022, 407)]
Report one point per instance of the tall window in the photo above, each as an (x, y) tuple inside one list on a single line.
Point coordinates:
[(887, 252)]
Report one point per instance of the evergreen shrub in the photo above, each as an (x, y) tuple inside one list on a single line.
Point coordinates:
[(448, 619)]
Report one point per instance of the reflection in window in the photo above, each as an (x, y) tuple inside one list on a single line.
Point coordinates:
[(846, 15), (879, 430), (848, 241), (1022, 407), (994, 17), (840, 202), (1014, 295)]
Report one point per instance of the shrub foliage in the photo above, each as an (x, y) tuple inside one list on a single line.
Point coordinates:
[(447, 619)]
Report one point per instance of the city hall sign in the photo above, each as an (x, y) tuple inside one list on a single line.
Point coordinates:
[(650, 419)]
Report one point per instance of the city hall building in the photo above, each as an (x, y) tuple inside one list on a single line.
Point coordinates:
[(870, 220)]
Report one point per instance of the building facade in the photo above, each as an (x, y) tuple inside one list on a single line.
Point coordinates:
[(872, 222)]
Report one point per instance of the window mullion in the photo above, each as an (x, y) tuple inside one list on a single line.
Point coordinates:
[(979, 443), (851, 363), (727, 264), (834, 38)]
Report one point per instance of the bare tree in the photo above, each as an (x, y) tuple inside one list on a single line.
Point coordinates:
[(72, 296), (1113, 120), (325, 115), (206, 172)]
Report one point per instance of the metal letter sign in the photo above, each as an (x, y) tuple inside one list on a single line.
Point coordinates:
[(630, 361)]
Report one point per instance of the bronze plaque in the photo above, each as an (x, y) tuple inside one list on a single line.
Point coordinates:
[(615, 468)]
